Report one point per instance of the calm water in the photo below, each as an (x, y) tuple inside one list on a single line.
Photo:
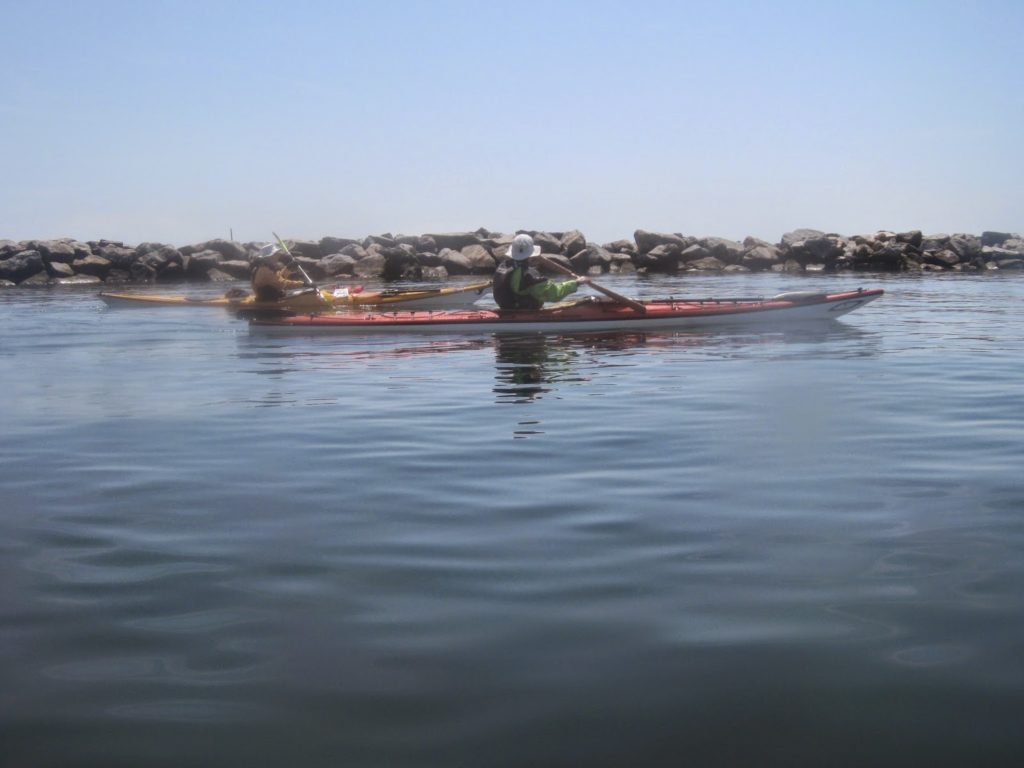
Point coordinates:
[(796, 547)]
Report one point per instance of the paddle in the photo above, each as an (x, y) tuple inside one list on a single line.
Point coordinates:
[(298, 266), (632, 303)]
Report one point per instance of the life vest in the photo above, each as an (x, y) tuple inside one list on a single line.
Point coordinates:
[(505, 296)]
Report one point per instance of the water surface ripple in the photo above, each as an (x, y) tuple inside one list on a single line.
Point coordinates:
[(796, 546)]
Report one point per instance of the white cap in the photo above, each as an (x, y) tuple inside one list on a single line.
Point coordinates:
[(523, 248)]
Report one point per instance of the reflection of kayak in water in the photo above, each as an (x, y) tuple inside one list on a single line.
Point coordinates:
[(588, 315), (310, 300)]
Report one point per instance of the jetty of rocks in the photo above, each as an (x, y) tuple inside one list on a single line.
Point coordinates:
[(438, 256)]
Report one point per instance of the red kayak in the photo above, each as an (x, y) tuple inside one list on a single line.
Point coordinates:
[(587, 315)]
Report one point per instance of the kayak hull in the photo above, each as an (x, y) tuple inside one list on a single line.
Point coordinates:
[(325, 300), (588, 315)]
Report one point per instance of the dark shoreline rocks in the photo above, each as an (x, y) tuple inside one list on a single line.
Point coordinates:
[(66, 261)]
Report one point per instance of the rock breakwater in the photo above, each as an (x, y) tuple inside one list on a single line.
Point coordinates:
[(439, 256)]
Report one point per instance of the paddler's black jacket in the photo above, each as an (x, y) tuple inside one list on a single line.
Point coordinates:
[(518, 286)]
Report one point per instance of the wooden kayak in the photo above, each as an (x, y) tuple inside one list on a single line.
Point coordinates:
[(587, 315), (324, 300)]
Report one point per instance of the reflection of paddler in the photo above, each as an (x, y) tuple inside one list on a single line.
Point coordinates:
[(521, 361), (271, 274)]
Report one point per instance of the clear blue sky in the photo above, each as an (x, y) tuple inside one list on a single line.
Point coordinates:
[(183, 121)]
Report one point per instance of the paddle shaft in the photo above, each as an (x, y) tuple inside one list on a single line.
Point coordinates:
[(606, 291)]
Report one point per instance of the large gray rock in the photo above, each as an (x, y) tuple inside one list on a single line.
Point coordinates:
[(96, 266), (371, 265), (338, 264), (761, 257), (455, 241), (998, 254), (236, 268), (455, 262), (329, 245), (647, 241), (198, 265), (58, 269), (573, 242), (355, 250), (944, 258), (119, 257), (228, 250), (9, 247), (727, 251), (22, 266), (913, 237), (593, 257), (52, 251), (798, 236), (479, 258), (968, 247), (707, 264), (305, 248), (995, 238)]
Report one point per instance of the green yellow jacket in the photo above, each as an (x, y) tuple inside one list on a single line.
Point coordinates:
[(518, 287)]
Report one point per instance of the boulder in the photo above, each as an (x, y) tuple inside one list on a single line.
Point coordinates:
[(9, 248), (798, 236), (944, 258), (934, 242), (38, 280), (727, 251), (968, 247), (22, 266), (647, 241), (236, 268), (52, 251), (387, 240), (338, 264), (998, 254), (371, 265), (620, 246), (454, 241), (573, 242), (331, 245), (454, 262), (914, 238), (707, 264), (95, 266), (480, 259), (355, 250), (197, 265), (305, 248), (229, 250), (59, 269), (995, 238), (119, 257), (549, 243), (593, 257), (761, 257)]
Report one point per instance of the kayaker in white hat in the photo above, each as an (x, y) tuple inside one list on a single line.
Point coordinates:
[(517, 285)]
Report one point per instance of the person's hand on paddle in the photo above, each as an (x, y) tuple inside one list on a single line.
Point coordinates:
[(583, 280)]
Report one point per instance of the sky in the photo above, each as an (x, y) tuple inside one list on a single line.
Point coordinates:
[(184, 121)]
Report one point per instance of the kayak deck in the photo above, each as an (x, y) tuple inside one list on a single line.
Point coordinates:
[(586, 315), (326, 299)]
